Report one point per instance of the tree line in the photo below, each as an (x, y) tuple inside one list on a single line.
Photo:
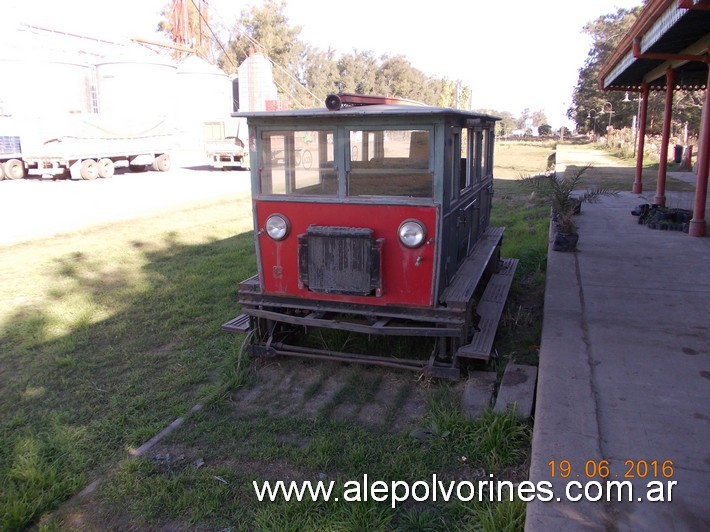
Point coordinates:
[(305, 75)]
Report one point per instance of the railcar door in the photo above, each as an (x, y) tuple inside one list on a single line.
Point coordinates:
[(465, 203)]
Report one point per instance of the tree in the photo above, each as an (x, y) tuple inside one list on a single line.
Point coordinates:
[(396, 77), (320, 72), (505, 125), (688, 112), (539, 118), (606, 32), (358, 72), (454, 94), (304, 75), (544, 130)]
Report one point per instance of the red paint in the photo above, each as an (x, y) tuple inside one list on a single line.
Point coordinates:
[(660, 198), (641, 132), (403, 282), (698, 224)]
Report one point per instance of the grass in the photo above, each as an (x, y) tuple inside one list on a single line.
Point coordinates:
[(108, 335), (240, 451)]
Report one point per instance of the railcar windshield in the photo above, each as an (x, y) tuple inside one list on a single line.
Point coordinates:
[(390, 163), (384, 162), (298, 163)]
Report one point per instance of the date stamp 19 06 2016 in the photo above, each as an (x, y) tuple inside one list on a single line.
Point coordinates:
[(630, 469)]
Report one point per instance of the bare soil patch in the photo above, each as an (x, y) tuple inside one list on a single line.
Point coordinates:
[(386, 400)]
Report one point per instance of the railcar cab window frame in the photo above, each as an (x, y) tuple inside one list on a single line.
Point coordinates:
[(471, 160), (298, 162), (391, 162)]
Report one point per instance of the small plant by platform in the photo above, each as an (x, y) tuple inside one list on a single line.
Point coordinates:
[(565, 201)]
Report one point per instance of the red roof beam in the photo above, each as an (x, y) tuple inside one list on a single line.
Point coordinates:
[(690, 4)]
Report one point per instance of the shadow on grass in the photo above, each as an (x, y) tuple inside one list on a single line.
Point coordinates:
[(114, 350)]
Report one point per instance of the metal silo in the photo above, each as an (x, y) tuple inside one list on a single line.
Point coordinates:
[(41, 86), (256, 83), (203, 90), (204, 94), (135, 84)]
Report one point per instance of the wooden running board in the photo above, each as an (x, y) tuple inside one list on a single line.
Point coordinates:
[(240, 324), (459, 293), (490, 308)]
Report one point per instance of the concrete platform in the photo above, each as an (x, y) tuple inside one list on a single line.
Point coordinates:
[(624, 375)]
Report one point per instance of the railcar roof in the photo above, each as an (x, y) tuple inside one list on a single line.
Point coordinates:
[(372, 111)]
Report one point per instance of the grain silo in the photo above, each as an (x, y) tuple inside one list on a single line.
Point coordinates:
[(256, 83), (203, 90), (203, 94), (135, 83), (44, 85)]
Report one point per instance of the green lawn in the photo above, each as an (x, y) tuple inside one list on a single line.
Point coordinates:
[(108, 335)]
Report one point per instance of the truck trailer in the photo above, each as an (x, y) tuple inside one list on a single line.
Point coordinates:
[(83, 146)]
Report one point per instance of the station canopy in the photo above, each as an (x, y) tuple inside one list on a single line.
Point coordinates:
[(667, 34)]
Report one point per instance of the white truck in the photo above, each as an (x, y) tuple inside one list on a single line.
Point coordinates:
[(83, 146), (226, 143)]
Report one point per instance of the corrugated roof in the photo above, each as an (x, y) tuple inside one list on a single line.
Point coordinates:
[(663, 27)]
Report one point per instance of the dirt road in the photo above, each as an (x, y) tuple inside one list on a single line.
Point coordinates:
[(33, 208)]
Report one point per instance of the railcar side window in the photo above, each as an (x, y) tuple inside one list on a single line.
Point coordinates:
[(390, 163), (465, 175), (476, 145), (298, 162), (488, 163), (484, 154)]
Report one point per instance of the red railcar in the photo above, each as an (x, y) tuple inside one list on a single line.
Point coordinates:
[(373, 218)]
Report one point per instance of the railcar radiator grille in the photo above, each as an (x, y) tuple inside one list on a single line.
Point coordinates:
[(339, 260)]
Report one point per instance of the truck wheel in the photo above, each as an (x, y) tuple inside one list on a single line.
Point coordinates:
[(14, 169), (162, 163), (106, 168), (2, 173), (89, 169)]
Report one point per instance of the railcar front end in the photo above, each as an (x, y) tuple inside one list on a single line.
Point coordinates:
[(373, 219)]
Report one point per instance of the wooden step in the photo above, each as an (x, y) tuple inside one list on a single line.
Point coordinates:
[(250, 285), (459, 293), (240, 324), (490, 308)]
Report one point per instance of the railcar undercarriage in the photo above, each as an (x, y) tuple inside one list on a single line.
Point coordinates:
[(462, 326)]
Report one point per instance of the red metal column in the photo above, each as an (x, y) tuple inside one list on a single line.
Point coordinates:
[(641, 132), (697, 224), (665, 137)]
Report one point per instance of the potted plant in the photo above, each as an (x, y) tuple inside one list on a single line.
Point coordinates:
[(565, 203), (565, 235)]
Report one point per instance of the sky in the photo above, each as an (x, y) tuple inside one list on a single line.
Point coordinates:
[(514, 54)]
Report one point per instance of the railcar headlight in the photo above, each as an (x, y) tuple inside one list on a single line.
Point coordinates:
[(412, 233), (277, 226)]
